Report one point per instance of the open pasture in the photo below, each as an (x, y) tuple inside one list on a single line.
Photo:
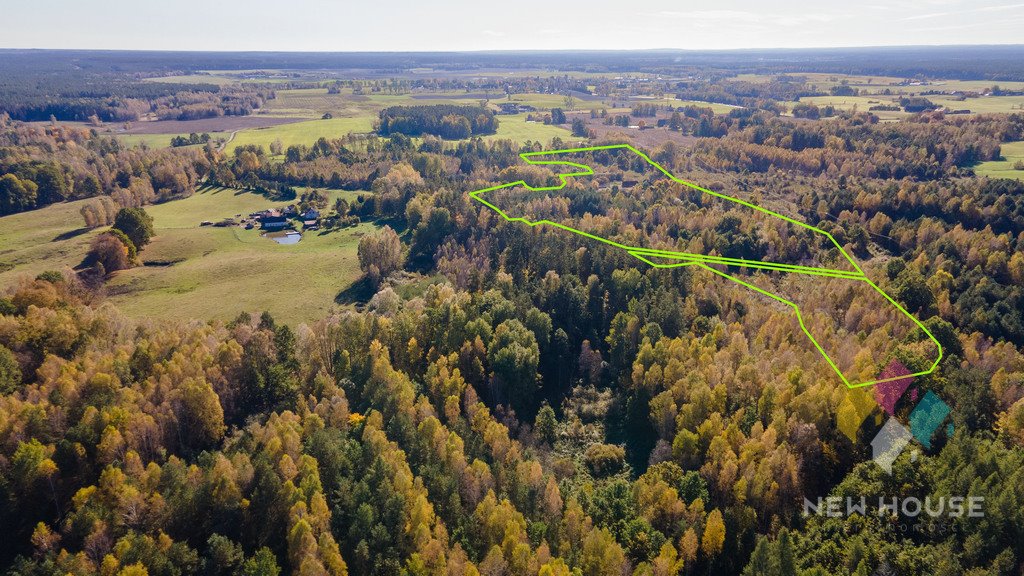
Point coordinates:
[(188, 269), (1012, 152)]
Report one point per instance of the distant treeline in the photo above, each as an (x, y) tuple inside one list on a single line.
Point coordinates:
[(35, 88), (447, 121), (960, 62), (74, 106)]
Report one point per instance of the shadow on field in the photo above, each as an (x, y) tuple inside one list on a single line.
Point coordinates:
[(359, 292), (69, 234)]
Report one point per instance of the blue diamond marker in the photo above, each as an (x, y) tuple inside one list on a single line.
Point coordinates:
[(927, 417)]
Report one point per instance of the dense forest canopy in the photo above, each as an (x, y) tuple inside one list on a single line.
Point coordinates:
[(498, 399), (447, 121)]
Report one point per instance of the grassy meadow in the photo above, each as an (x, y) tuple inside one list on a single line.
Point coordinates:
[(982, 105), (195, 79), (515, 127), (39, 240), (300, 132), (675, 102), (150, 140), (196, 272), (1012, 153)]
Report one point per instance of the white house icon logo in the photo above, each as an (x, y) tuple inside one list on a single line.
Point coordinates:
[(925, 419)]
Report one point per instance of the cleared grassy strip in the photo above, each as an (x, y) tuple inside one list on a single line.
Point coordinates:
[(515, 127), (675, 103), (301, 132), (150, 140), (1012, 152), (195, 79), (981, 105), (553, 101)]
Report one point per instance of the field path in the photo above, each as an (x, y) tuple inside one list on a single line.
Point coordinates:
[(228, 141)]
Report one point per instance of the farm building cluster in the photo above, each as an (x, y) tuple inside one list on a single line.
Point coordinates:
[(287, 217), (276, 219)]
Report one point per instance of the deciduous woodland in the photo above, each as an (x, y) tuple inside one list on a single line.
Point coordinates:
[(448, 122), (496, 399)]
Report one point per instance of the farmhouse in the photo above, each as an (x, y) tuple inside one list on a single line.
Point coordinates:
[(273, 220), (514, 108)]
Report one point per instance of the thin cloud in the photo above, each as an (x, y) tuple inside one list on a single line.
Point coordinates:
[(953, 27), (745, 16), (999, 8)]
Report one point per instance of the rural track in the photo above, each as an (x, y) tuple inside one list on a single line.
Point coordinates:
[(223, 147)]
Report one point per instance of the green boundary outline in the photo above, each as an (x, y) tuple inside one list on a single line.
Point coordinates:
[(704, 261)]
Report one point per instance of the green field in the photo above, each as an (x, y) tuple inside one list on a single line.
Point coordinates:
[(982, 105), (1012, 152), (314, 102), (150, 140), (47, 239), (300, 132), (553, 101), (195, 79), (515, 127), (204, 272), (357, 113), (859, 103), (675, 102)]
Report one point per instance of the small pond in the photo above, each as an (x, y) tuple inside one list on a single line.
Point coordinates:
[(288, 237)]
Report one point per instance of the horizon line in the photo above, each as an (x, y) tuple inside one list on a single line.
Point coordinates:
[(527, 50)]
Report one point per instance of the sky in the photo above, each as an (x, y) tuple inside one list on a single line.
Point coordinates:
[(429, 25)]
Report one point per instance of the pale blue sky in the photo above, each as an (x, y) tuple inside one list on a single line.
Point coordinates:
[(361, 25)]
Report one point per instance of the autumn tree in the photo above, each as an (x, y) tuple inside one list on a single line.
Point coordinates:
[(99, 212), (380, 253), (109, 253), (10, 371), (713, 539)]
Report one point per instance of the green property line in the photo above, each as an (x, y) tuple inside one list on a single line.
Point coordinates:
[(704, 261)]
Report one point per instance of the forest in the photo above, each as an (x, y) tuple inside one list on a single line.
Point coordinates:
[(497, 399), (448, 122)]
